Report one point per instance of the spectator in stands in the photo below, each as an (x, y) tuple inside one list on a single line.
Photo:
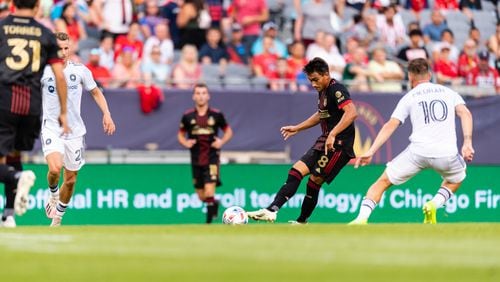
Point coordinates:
[(106, 52), (214, 51), (42, 16), (446, 4), (161, 38), (126, 72), (270, 29), (392, 29), (367, 32), (188, 71), (169, 11), (414, 50), (389, 73), (70, 24), (447, 39), (154, 71), (330, 54), (216, 11), (100, 73), (131, 40), (468, 60), (483, 75), (475, 34), (356, 72), (150, 19), (467, 6), (265, 63), (250, 15), (494, 41), (351, 45), (316, 46), (359, 5), (4, 9), (445, 69), (417, 6), (117, 15), (192, 22), (236, 50), (315, 16), (296, 61), (282, 79), (433, 30)]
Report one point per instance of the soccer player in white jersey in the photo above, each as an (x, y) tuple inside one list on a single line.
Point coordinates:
[(433, 142), (66, 151)]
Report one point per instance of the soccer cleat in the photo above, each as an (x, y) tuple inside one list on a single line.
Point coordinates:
[(263, 214), (358, 222), (294, 222), (56, 221), (429, 210), (24, 184), (9, 222), (50, 206)]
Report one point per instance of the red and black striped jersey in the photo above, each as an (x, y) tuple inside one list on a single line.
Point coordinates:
[(26, 47)]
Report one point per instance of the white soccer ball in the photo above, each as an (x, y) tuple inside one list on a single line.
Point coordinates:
[(235, 216)]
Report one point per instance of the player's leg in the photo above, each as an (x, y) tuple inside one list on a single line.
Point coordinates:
[(452, 170), (65, 194), (211, 203), (310, 199), (295, 175), (398, 171), (8, 220), (55, 164)]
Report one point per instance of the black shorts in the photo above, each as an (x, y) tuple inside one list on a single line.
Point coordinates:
[(326, 167), (18, 132), (205, 174)]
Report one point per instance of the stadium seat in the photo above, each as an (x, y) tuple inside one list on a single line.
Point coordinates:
[(211, 75), (88, 44), (239, 70)]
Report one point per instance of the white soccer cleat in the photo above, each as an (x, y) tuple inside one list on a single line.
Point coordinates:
[(9, 222), (24, 184), (50, 206), (294, 222), (263, 214), (358, 221), (56, 221)]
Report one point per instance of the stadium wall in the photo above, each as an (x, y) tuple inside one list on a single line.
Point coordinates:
[(257, 117), (163, 194)]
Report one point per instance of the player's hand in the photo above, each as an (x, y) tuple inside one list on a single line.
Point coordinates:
[(108, 124), (190, 143), (468, 152), (63, 122), (365, 159), (330, 140), (288, 131), (217, 144)]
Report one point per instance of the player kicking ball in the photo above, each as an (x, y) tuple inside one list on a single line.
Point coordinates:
[(433, 143), (330, 153), (66, 152)]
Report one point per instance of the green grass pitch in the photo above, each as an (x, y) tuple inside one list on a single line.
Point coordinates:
[(255, 252)]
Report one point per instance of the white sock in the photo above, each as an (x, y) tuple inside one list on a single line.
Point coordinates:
[(442, 195), (54, 191), (367, 206), (61, 208)]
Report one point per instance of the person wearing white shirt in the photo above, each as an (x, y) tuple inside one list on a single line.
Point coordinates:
[(433, 143), (65, 152), (161, 39)]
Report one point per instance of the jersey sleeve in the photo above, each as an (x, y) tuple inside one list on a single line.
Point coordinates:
[(87, 79), (53, 53), (402, 110), (340, 95), (457, 99), (221, 121), (183, 126)]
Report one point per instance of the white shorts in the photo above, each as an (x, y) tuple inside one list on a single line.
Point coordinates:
[(71, 149), (407, 164)]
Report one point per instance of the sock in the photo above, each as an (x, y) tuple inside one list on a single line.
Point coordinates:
[(287, 190), (442, 195), (54, 191), (310, 201), (7, 212), (8, 174), (61, 209), (10, 187), (367, 206), (211, 209)]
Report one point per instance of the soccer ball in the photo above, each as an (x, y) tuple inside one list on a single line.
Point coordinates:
[(234, 216)]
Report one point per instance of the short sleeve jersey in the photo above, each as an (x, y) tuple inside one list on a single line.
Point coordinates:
[(26, 47), (203, 129), (431, 108), (331, 102)]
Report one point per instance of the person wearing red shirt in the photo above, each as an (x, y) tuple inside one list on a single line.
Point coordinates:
[(282, 78), (131, 41), (483, 75), (101, 74), (468, 60), (445, 69), (297, 59), (265, 63), (446, 5)]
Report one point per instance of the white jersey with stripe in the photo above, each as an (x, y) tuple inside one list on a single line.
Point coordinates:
[(78, 77), (431, 108)]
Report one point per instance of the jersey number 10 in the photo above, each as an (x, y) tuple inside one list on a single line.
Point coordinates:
[(20, 57), (436, 110)]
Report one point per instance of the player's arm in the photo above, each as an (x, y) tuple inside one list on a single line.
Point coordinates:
[(62, 93), (290, 130), (467, 124), (219, 142), (107, 121), (383, 135), (350, 114), (186, 143)]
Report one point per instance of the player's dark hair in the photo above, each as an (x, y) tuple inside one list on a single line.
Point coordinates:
[(418, 67), (200, 85), (62, 36), (25, 4), (316, 65)]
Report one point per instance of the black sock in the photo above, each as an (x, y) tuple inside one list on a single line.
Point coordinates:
[(211, 209), (310, 201), (7, 174), (11, 187), (287, 190)]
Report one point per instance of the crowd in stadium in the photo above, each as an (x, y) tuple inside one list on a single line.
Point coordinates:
[(265, 43)]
